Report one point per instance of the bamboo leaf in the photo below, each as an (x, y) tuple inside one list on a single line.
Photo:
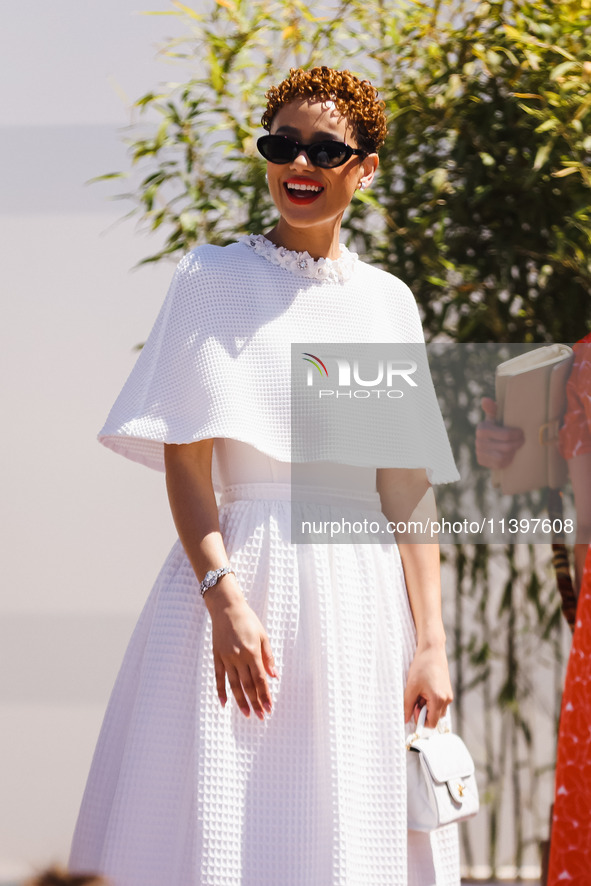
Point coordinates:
[(217, 79), (547, 125), (562, 69), (532, 112), (542, 155), (370, 200), (106, 176), (188, 11), (486, 158), (566, 170), (530, 40)]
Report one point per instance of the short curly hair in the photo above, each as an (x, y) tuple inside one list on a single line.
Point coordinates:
[(356, 99)]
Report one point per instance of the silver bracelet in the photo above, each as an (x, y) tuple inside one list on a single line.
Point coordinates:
[(212, 577)]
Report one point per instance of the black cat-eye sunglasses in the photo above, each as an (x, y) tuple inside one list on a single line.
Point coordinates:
[(327, 155)]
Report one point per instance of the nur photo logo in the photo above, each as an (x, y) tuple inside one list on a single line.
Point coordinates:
[(376, 379)]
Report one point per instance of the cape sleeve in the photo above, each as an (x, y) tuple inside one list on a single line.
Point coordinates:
[(193, 378), (150, 410), (426, 438), (371, 400), (221, 362), (376, 406)]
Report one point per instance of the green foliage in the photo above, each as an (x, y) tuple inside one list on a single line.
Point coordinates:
[(481, 204), (204, 179), (483, 198), (486, 180)]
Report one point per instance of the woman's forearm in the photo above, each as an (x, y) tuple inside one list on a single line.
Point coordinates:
[(195, 513), (241, 649), (407, 497), (423, 582)]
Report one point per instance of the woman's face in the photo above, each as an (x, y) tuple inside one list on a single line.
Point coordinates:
[(308, 121)]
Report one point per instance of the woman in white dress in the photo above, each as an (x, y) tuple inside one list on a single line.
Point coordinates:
[(255, 734)]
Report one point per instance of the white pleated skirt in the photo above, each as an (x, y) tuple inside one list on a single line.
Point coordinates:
[(182, 792)]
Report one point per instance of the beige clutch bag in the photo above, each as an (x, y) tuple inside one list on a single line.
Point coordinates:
[(531, 395)]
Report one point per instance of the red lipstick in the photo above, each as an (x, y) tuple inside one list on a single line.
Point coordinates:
[(302, 190)]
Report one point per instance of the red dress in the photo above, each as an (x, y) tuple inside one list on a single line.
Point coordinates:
[(570, 849)]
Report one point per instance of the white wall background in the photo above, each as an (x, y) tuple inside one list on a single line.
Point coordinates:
[(83, 532)]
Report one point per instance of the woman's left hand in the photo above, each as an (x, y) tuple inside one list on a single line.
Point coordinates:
[(428, 683)]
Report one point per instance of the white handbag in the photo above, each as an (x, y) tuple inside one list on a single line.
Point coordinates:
[(441, 784)]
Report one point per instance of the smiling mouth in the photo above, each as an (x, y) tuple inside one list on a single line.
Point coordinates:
[(302, 193)]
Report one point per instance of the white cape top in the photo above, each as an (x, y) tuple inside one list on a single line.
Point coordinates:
[(218, 362)]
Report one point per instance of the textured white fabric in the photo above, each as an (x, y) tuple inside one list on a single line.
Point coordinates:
[(218, 360), (184, 793)]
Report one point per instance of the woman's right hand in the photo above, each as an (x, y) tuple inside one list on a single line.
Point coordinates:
[(242, 651)]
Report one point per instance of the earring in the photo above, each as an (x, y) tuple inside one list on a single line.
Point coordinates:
[(362, 186)]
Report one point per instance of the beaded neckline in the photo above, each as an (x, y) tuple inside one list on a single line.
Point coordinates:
[(336, 270)]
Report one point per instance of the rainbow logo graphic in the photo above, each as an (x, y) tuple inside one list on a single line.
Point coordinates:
[(317, 362)]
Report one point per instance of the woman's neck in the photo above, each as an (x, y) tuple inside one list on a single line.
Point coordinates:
[(319, 242)]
